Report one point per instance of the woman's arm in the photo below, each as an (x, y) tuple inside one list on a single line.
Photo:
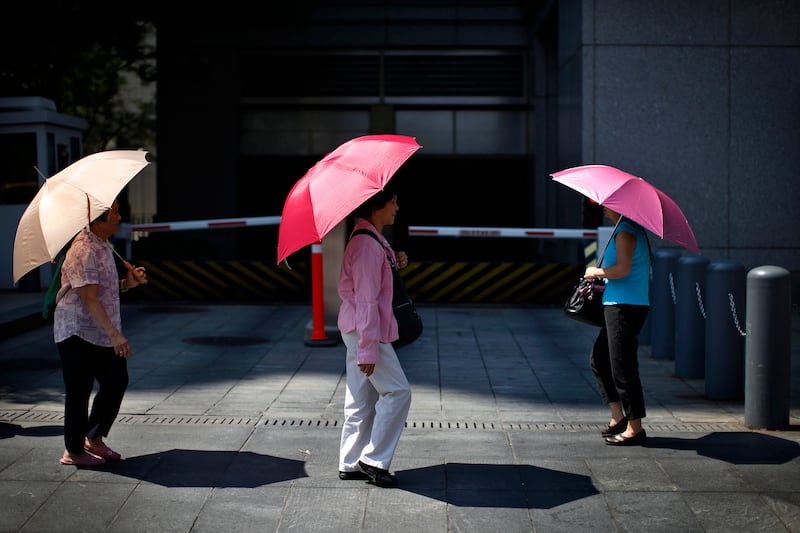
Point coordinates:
[(626, 244), (89, 295)]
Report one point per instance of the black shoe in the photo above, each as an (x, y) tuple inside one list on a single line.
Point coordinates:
[(637, 440), (354, 475), (378, 476), (615, 429)]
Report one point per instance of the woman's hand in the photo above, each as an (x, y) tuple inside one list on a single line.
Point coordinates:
[(367, 369), (135, 276), (594, 272), (121, 345), (402, 259)]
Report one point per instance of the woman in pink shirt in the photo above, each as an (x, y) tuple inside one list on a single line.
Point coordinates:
[(377, 395), (88, 333)]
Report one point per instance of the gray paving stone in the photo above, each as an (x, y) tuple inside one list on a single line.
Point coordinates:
[(503, 435)]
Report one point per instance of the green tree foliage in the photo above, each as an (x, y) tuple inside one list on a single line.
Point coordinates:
[(92, 58)]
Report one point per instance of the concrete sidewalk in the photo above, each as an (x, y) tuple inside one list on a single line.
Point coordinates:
[(231, 423)]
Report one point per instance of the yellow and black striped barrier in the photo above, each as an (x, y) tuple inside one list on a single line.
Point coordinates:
[(426, 282)]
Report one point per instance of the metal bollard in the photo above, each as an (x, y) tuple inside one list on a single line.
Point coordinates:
[(725, 306), (767, 348), (690, 317), (662, 304)]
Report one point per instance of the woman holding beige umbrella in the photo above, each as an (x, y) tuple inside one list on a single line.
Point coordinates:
[(87, 330)]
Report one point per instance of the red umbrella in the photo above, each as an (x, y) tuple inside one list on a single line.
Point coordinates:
[(339, 183), (631, 197)]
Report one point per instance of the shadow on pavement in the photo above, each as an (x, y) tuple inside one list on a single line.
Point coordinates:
[(11, 430), (502, 486), (208, 468), (734, 447)]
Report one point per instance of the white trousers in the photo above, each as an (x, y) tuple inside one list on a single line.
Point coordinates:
[(375, 409)]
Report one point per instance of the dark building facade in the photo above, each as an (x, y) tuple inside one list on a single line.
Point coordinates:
[(691, 96), (265, 93)]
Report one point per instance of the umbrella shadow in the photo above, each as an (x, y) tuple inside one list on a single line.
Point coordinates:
[(8, 431), (209, 468), (734, 447), (496, 485)]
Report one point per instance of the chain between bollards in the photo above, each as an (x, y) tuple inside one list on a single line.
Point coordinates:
[(672, 289), (700, 299), (735, 316)]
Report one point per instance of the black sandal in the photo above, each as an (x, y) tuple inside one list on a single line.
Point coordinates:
[(619, 440), (615, 429)]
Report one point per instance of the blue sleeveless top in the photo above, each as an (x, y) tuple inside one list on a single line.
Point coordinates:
[(633, 289)]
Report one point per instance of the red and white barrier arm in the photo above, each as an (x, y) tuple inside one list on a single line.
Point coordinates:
[(127, 230), (529, 233)]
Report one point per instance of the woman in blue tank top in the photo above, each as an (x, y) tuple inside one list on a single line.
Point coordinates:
[(626, 302)]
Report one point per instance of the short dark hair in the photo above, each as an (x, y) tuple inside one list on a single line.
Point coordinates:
[(376, 202), (103, 216)]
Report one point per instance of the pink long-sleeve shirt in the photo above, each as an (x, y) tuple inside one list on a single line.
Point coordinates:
[(365, 286)]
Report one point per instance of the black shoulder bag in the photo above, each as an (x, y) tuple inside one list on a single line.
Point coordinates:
[(585, 302), (409, 323)]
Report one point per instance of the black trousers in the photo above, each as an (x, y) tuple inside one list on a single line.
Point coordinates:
[(614, 358), (81, 364)]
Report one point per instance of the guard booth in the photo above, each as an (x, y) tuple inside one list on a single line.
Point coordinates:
[(36, 141)]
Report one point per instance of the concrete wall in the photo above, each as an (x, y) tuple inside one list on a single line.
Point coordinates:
[(702, 99)]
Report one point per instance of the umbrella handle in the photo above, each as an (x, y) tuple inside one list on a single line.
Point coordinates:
[(140, 278)]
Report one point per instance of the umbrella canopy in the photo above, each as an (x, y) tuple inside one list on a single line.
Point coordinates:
[(339, 183), (68, 201), (631, 197)]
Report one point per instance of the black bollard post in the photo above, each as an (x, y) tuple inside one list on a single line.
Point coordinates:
[(725, 307), (767, 348), (690, 317), (662, 304)]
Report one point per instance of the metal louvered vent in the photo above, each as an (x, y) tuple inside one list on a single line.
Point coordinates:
[(455, 75), (304, 76), (494, 75)]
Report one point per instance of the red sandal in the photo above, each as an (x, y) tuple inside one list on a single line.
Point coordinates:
[(84, 459), (102, 451)]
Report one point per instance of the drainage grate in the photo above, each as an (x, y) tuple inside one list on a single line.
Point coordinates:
[(172, 420), (302, 423), (569, 427), (225, 340), (31, 416), (305, 423)]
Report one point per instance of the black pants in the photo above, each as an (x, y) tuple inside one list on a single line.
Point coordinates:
[(81, 364), (614, 358)]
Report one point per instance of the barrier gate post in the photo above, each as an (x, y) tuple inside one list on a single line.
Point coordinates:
[(318, 336)]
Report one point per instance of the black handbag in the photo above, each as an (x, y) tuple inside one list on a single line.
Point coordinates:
[(409, 323), (585, 303)]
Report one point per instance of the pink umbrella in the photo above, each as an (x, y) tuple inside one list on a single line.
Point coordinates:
[(632, 197), (339, 183)]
